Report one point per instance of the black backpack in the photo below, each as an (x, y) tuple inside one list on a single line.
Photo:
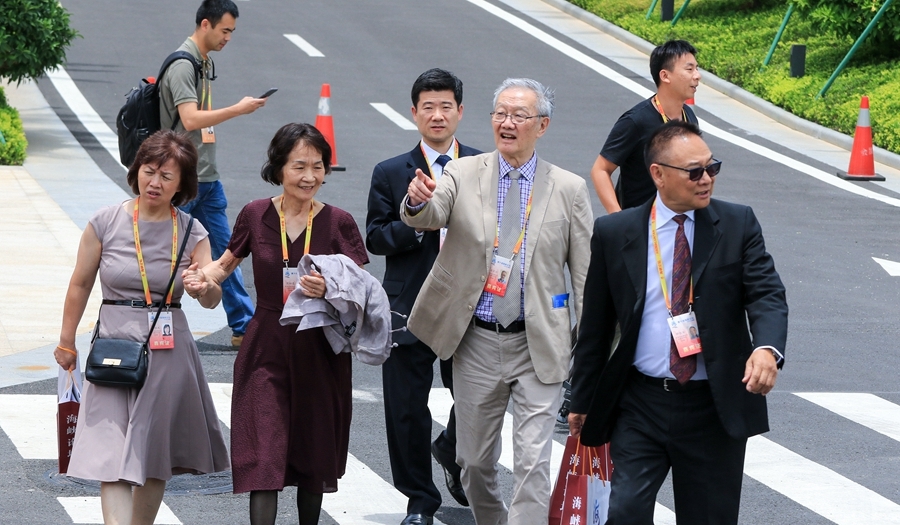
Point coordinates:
[(139, 117)]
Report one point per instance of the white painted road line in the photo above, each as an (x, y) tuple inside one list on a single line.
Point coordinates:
[(440, 401), (307, 48), (866, 409), (221, 396), (394, 116), (891, 267), (30, 423), (88, 511), (816, 487), (643, 92), (84, 111)]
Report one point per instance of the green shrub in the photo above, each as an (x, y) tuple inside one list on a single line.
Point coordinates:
[(733, 37), (13, 152), (850, 17), (34, 35)]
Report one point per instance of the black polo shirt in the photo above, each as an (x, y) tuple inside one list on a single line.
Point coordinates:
[(625, 148)]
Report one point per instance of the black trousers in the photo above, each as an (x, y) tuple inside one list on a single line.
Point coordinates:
[(407, 376), (658, 430)]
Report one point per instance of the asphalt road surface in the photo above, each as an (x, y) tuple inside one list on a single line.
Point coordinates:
[(833, 452)]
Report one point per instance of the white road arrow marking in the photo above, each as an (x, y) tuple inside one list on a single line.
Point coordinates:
[(891, 267)]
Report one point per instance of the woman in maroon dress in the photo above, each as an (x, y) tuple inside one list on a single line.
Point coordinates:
[(292, 394)]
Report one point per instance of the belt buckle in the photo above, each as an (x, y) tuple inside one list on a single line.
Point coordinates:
[(666, 384), (138, 303)]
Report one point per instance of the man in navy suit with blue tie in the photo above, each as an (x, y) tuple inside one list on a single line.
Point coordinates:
[(409, 255)]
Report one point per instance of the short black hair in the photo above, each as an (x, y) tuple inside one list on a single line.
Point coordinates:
[(161, 147), (665, 55), (665, 134), (283, 143), (214, 10), (437, 80)]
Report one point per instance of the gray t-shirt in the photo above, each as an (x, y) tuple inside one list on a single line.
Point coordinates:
[(177, 88)]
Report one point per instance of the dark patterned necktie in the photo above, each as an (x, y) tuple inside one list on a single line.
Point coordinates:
[(443, 160), (681, 367)]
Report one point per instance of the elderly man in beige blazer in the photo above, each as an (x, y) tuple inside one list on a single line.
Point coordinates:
[(505, 211)]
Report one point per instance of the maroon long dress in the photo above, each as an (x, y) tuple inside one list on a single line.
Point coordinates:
[(291, 405)]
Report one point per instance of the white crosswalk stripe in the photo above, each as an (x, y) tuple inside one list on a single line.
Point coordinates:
[(86, 510), (866, 409), (29, 421)]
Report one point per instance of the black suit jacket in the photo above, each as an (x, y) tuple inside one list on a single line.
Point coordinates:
[(407, 261), (735, 286)]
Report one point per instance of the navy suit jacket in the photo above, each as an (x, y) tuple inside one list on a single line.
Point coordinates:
[(407, 260), (735, 287)]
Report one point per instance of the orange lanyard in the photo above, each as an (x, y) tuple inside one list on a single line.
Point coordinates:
[(207, 88), (284, 243), (662, 112), (455, 156), (659, 263), (140, 253), (518, 245)]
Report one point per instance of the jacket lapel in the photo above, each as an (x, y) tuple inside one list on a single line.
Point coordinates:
[(541, 191), (706, 236), (634, 254), (417, 160), (488, 177)]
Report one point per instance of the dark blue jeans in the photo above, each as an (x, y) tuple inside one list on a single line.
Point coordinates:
[(209, 209)]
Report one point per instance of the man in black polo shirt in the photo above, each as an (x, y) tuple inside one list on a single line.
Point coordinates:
[(673, 66)]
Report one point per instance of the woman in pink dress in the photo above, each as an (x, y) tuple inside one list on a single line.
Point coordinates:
[(292, 399), (133, 440)]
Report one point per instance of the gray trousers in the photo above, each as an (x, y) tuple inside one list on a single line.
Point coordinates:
[(489, 370)]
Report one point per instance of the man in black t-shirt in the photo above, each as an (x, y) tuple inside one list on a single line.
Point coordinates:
[(673, 66)]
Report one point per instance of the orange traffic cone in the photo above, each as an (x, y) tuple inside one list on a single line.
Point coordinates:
[(862, 157), (325, 124)]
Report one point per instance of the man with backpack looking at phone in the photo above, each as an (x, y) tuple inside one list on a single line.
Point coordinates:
[(186, 106)]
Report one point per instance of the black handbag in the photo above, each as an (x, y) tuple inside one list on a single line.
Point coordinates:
[(123, 363)]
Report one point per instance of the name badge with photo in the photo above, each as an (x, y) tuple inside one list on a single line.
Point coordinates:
[(685, 333), (501, 268), (208, 135), (290, 280), (163, 336)]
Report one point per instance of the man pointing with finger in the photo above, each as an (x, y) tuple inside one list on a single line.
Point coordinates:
[(509, 335), (682, 265)]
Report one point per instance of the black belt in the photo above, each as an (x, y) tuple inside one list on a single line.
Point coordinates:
[(516, 326), (667, 383), (138, 304)]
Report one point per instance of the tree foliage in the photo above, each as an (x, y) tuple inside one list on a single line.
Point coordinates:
[(850, 18), (34, 35)]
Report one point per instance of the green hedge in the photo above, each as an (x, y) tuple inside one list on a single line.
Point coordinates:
[(13, 152), (733, 36)]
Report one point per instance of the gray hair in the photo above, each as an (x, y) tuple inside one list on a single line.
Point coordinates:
[(544, 94)]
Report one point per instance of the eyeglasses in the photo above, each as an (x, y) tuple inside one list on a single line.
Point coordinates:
[(696, 174), (500, 117)]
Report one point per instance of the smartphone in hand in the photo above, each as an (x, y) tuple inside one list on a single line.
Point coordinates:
[(268, 93)]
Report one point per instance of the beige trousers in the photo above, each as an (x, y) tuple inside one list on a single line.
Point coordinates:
[(489, 370)]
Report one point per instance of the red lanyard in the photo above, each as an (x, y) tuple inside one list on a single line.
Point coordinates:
[(284, 243), (140, 254), (455, 156), (659, 263), (662, 112)]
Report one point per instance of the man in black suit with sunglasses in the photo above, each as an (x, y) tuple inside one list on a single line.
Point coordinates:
[(680, 263)]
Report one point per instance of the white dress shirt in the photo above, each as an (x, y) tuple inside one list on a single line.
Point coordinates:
[(431, 156), (654, 339)]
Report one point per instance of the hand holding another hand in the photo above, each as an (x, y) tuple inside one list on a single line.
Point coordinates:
[(195, 283)]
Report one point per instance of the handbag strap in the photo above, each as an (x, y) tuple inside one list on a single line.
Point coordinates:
[(187, 235)]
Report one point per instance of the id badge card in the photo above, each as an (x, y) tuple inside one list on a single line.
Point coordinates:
[(163, 337), (443, 237), (685, 334), (501, 268), (208, 135), (290, 280)]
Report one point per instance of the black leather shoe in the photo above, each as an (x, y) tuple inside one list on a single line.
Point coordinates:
[(452, 471), (417, 519)]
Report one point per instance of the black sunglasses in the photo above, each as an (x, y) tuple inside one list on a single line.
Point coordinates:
[(696, 174)]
